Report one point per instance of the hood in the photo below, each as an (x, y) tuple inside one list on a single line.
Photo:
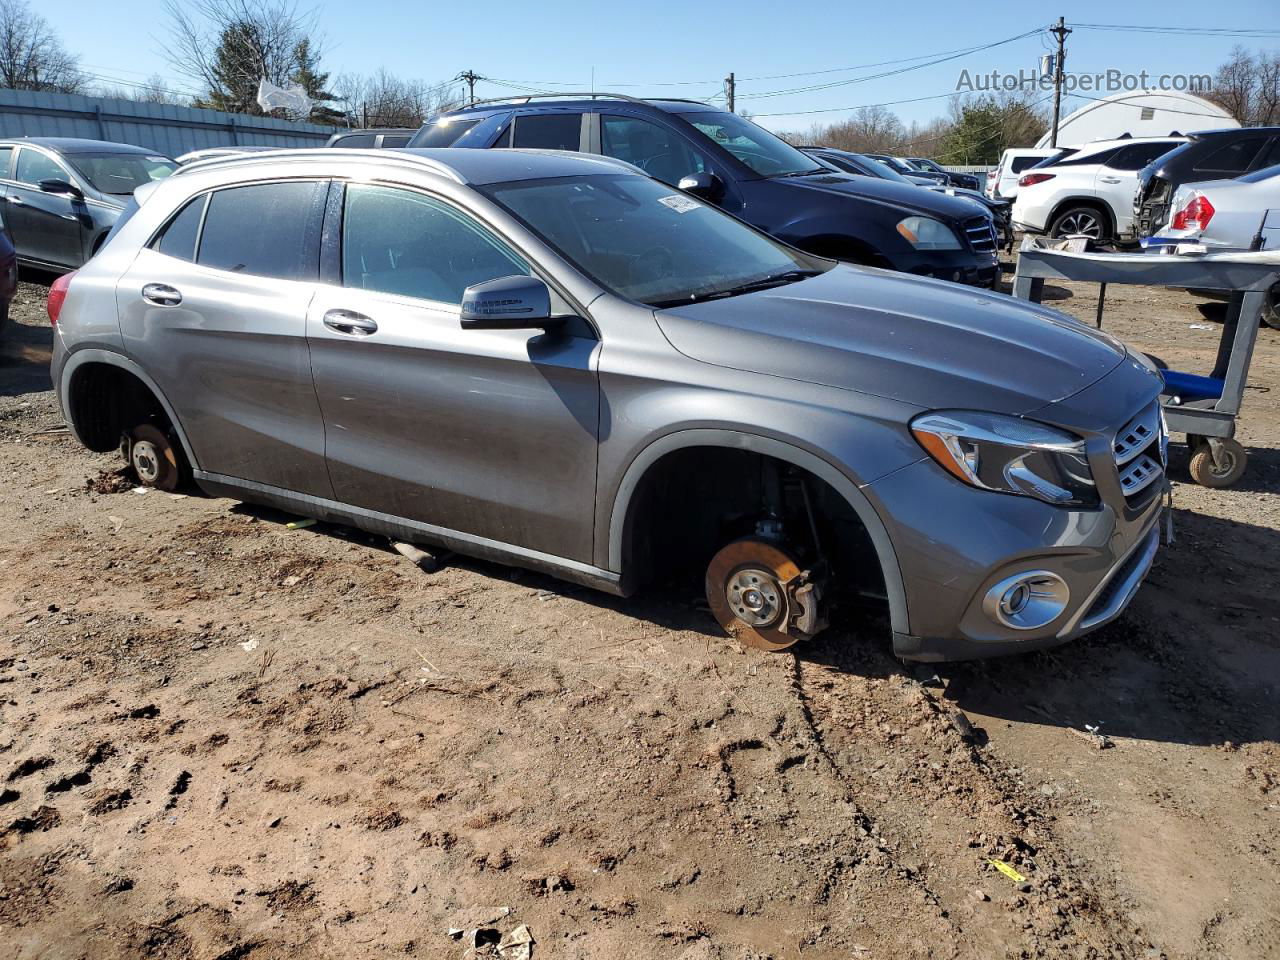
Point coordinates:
[(907, 196), (923, 342)]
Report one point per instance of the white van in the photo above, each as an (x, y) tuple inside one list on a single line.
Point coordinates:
[(1002, 182)]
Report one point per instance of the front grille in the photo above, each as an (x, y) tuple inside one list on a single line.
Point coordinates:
[(1138, 450), (981, 232)]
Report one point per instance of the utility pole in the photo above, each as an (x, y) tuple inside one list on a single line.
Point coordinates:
[(1060, 31), (729, 91), (470, 77)]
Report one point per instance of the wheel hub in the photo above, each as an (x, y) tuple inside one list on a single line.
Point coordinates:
[(759, 594), (146, 461), (755, 596)]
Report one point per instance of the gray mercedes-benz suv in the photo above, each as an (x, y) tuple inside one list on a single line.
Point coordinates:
[(554, 361)]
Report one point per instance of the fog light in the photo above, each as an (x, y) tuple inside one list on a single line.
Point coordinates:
[(1027, 601)]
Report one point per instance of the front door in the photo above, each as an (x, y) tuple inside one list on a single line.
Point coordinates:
[(215, 310), (489, 433), (48, 227)]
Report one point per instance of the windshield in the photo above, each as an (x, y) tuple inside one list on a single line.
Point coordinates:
[(647, 242), (766, 154), (120, 173), (442, 133), (883, 170)]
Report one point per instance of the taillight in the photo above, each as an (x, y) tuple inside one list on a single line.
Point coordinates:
[(57, 295), (1195, 215), (1031, 179)]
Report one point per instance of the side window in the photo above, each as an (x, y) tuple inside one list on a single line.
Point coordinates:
[(405, 243), (392, 140), (548, 131), (1138, 156), (1078, 161), (1235, 157), (1018, 164), (6, 159), (264, 230), (178, 237), (34, 166), (659, 152), (356, 140)]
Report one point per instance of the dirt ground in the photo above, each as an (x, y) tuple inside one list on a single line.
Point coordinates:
[(223, 739)]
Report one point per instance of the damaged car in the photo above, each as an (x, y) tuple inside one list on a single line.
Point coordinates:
[(556, 362)]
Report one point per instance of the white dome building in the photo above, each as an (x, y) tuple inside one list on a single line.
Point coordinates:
[(1141, 113)]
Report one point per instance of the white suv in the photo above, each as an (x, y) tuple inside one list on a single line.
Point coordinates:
[(1087, 191)]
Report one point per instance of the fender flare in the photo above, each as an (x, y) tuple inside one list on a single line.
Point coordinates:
[(88, 355), (734, 439)]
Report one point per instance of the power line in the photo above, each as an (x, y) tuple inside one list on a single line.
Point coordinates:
[(887, 103), (1187, 31), (892, 73)]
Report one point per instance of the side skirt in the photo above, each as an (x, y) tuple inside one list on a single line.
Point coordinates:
[(388, 525)]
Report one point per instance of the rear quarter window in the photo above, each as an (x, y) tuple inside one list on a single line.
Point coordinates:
[(178, 237)]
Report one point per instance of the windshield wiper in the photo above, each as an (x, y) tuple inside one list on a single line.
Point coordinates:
[(751, 286), (800, 173)]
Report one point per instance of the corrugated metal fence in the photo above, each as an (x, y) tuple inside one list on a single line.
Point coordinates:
[(160, 127)]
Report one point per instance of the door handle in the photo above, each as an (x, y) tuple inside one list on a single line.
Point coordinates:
[(1110, 179), (17, 201), (161, 294), (349, 322)]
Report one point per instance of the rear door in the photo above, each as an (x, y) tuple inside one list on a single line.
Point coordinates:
[(488, 433), (215, 309), (49, 227)]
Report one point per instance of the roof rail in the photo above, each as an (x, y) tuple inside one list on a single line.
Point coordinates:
[(592, 95), (320, 154)]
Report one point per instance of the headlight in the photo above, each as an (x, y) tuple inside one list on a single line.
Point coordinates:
[(925, 233), (1009, 455)]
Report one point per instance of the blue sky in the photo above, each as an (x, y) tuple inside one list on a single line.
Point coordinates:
[(684, 49)]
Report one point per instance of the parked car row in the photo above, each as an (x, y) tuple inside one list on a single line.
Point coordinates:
[(564, 362), (60, 196), (1087, 191), (727, 160), (863, 165)]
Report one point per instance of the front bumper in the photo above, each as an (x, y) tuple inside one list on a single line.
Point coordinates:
[(980, 271), (955, 543)]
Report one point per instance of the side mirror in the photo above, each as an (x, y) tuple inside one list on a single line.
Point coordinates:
[(705, 185), (508, 303), (62, 187)]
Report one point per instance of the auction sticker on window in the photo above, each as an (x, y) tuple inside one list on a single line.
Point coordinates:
[(680, 204)]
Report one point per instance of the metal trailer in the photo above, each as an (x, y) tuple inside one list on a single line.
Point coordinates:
[(1209, 421)]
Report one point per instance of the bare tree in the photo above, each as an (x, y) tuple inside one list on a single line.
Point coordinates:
[(1247, 86), (384, 100), (874, 129), (154, 90), (31, 55), (227, 46)]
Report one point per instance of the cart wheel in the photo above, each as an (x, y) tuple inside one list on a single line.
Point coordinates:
[(1271, 312), (1223, 472)]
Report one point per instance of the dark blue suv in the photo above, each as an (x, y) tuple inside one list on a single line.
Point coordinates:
[(746, 170)]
